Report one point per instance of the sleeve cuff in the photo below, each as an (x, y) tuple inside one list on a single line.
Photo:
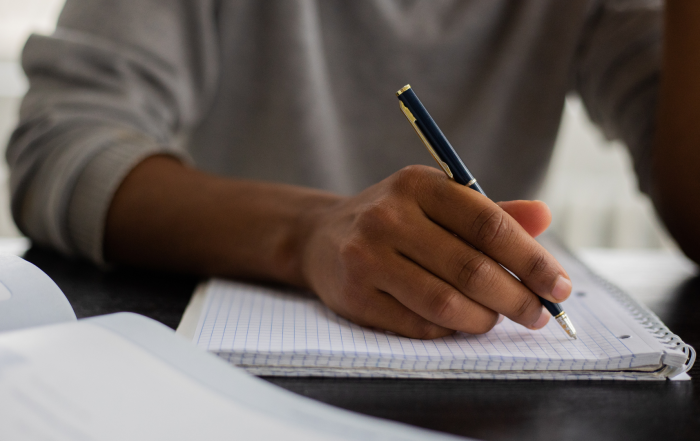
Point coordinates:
[(95, 187)]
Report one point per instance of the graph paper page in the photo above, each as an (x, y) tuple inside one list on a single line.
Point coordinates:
[(250, 319)]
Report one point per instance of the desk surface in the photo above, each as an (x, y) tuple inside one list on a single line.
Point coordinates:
[(494, 410)]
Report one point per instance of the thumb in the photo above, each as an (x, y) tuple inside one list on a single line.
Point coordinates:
[(533, 216)]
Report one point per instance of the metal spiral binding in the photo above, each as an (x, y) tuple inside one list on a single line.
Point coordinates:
[(642, 314)]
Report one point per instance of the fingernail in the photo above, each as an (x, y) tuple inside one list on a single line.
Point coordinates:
[(500, 319), (562, 288), (542, 321)]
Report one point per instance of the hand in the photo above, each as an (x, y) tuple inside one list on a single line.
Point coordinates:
[(388, 258)]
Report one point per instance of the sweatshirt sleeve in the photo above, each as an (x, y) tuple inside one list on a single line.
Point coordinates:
[(117, 82), (617, 74)]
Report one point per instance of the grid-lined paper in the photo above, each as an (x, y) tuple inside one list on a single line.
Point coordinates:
[(282, 332)]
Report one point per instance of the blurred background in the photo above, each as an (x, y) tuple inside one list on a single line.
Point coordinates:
[(590, 188)]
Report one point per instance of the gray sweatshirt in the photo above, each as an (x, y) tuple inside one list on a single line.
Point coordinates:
[(303, 92)]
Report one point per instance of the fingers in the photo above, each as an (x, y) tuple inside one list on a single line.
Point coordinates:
[(477, 277), (380, 310), (533, 216), (490, 229), (435, 300)]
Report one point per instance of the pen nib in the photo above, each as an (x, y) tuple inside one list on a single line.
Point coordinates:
[(566, 325)]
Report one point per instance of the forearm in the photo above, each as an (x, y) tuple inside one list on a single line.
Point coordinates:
[(166, 215), (676, 158)]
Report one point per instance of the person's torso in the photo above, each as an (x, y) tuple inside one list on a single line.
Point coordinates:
[(306, 89)]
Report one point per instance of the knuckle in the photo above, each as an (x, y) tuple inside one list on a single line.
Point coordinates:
[(409, 178), (524, 307), (474, 274), (355, 257), (491, 227), (378, 218), (352, 250), (537, 264), (443, 306), (410, 173), (425, 330)]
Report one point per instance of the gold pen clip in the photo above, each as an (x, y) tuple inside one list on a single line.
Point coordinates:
[(412, 120)]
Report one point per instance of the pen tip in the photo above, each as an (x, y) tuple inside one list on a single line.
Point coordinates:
[(566, 325)]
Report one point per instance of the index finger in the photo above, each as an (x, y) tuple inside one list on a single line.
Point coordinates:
[(486, 226)]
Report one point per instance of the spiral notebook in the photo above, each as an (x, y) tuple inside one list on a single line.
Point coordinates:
[(281, 332)]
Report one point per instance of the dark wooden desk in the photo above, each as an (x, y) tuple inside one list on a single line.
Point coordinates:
[(494, 410)]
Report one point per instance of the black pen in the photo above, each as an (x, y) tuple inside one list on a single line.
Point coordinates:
[(446, 157)]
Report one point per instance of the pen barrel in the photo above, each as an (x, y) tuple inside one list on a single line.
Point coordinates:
[(476, 187), (553, 308), (437, 140)]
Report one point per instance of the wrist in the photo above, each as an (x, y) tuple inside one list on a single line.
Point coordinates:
[(292, 253)]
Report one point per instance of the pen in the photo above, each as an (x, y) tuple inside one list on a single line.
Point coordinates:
[(448, 160)]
